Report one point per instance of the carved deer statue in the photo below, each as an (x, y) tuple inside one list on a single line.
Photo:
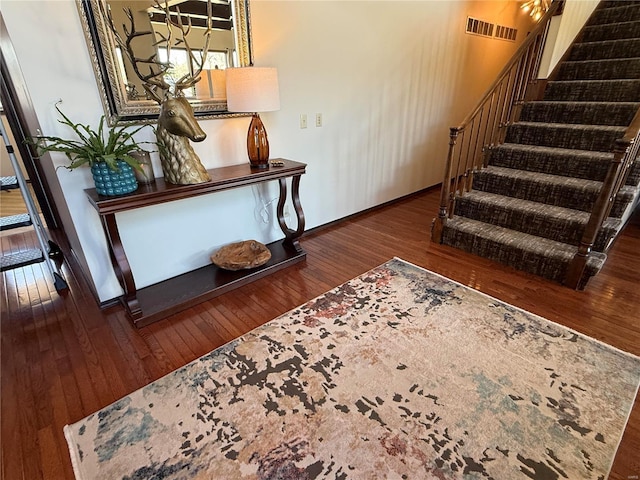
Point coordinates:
[(176, 123)]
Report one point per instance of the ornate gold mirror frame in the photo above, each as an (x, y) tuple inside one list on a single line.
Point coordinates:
[(117, 101)]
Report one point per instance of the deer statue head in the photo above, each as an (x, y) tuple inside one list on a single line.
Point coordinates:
[(177, 124)]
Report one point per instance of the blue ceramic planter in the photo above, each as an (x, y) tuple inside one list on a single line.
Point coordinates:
[(109, 182)]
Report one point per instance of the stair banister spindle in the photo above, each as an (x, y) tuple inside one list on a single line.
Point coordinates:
[(462, 136), (512, 98), (482, 138), (480, 143), (469, 156), (505, 105), (598, 215), (542, 40), (488, 129), (495, 129), (624, 153), (493, 122), (441, 219), (495, 98), (521, 68), (625, 169), (519, 52), (529, 72)]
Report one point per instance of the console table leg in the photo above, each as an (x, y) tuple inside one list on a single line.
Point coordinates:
[(121, 265), (292, 236)]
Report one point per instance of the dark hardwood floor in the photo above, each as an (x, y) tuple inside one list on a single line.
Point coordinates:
[(63, 358)]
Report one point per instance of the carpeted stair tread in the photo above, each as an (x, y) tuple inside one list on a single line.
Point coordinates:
[(540, 256), (551, 222), (611, 31), (625, 90), (587, 113), (608, 49), (616, 3), (565, 135), (617, 68), (567, 192), (557, 161), (554, 161), (8, 183), (537, 187), (626, 12)]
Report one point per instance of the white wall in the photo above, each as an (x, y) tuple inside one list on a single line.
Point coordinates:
[(564, 30), (389, 78)]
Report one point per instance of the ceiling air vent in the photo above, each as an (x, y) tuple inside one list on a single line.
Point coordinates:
[(506, 33), (479, 27)]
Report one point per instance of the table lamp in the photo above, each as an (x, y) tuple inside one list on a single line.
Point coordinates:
[(253, 90)]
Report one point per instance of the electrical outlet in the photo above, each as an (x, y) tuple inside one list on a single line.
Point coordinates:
[(318, 119), (303, 120)]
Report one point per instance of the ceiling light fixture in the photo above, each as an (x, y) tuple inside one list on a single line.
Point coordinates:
[(536, 8)]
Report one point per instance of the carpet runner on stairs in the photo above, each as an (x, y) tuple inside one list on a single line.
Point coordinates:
[(530, 206)]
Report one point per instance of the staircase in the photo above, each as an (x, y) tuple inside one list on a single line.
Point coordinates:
[(47, 250), (530, 205)]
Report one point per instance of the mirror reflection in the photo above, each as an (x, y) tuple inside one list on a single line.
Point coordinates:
[(176, 33)]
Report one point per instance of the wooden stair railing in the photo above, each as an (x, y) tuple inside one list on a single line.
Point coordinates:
[(625, 152), (486, 125)]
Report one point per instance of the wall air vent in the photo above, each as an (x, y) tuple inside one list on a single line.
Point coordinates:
[(506, 33), (479, 27)]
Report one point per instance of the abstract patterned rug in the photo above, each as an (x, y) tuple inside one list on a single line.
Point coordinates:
[(397, 374)]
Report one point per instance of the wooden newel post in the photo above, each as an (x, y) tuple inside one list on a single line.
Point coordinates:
[(576, 268), (445, 192)]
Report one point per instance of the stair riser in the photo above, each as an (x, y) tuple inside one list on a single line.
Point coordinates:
[(619, 31), (586, 114), (576, 138), (600, 70), (603, 239), (595, 91), (627, 13), (605, 50), (562, 195), (533, 223), (513, 256)]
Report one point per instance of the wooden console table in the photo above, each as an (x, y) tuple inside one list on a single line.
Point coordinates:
[(160, 300)]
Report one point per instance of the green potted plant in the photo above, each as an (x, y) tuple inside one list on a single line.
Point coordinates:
[(107, 151)]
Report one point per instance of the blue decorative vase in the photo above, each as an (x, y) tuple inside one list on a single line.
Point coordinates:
[(114, 182)]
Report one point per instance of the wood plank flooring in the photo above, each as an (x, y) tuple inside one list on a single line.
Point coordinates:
[(63, 358), (12, 203)]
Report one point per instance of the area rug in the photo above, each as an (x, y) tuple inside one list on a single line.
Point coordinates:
[(397, 374)]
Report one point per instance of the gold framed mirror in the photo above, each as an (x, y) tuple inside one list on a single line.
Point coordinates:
[(123, 99)]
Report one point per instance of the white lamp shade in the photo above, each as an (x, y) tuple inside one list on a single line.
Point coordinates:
[(252, 89)]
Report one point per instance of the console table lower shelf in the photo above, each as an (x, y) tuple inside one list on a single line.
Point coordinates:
[(160, 300), (179, 293)]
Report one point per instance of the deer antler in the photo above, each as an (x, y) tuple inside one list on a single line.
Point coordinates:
[(153, 82), (190, 79)]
